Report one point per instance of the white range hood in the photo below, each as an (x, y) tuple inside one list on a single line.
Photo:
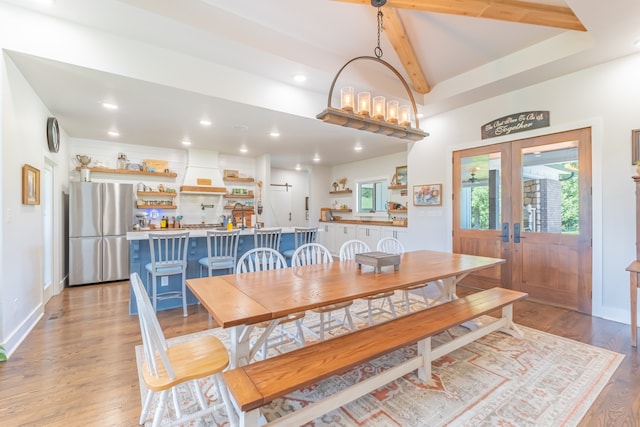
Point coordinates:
[(202, 175)]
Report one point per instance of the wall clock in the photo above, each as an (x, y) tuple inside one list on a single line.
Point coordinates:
[(53, 134)]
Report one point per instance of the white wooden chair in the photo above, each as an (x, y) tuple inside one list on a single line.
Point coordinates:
[(392, 245), (165, 367), (315, 253), (168, 258), (301, 236), (348, 250), (262, 259), (222, 251), (267, 238)]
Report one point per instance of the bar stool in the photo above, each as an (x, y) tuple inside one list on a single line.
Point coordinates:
[(267, 238), (168, 258), (301, 236), (222, 251)]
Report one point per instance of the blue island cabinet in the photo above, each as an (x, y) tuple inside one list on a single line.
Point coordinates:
[(140, 256)]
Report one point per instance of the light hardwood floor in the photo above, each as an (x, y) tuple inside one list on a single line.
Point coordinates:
[(77, 368)]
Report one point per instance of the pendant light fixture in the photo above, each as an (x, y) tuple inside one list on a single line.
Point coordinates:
[(374, 115)]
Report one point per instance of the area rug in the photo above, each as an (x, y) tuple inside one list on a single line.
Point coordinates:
[(498, 380)]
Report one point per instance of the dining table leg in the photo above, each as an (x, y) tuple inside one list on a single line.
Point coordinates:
[(240, 351)]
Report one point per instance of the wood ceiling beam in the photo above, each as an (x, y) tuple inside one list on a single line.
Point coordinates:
[(503, 10), (394, 29)]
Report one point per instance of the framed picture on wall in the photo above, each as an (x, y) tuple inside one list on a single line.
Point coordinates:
[(427, 195), (30, 185), (401, 175), (635, 146)]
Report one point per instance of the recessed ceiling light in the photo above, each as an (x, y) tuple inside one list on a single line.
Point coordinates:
[(243, 149), (316, 158), (300, 78), (358, 148), (186, 142), (113, 133), (298, 167), (109, 106), (274, 134), (419, 115), (205, 122)]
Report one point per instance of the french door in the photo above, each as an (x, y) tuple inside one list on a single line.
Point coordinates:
[(529, 202)]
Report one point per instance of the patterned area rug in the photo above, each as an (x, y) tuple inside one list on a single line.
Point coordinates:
[(498, 380)]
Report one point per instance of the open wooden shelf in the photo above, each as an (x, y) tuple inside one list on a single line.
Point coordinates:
[(229, 179), (246, 208), (141, 206), (341, 210), (401, 211), (341, 192), (398, 187), (238, 196), (156, 193), (131, 172)]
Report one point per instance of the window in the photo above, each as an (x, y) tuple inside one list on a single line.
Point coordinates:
[(372, 196)]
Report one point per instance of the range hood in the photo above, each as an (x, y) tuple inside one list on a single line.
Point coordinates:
[(202, 175)]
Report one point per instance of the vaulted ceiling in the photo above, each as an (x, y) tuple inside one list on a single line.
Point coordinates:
[(233, 62)]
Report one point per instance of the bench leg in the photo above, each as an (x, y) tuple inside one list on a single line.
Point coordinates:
[(511, 328), (250, 419), (424, 351)]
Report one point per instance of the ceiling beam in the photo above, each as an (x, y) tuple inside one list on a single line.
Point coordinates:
[(503, 10), (394, 29)]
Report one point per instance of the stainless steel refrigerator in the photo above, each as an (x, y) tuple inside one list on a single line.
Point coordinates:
[(100, 214)]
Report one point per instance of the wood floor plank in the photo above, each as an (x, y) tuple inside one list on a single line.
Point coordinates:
[(77, 367)]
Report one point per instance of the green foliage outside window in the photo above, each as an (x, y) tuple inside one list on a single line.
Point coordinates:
[(480, 208), (570, 204)]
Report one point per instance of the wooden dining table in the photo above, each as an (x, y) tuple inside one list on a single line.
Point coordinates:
[(239, 301)]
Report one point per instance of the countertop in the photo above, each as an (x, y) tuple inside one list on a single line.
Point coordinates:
[(199, 232), (361, 222)]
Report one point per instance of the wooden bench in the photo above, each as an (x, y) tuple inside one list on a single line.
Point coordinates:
[(257, 384)]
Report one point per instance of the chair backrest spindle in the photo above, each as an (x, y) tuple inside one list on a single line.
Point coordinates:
[(260, 259), (311, 253), (350, 248), (390, 245), (267, 238)]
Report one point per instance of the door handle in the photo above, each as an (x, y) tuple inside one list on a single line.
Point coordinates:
[(505, 232), (516, 232)]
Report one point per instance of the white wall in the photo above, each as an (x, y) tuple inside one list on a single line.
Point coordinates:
[(603, 97), (23, 141)]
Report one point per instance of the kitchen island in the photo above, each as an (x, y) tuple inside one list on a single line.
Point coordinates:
[(140, 256)]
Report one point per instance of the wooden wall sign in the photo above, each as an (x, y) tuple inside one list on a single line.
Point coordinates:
[(514, 123)]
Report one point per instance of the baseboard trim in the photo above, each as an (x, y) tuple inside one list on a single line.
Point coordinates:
[(22, 331)]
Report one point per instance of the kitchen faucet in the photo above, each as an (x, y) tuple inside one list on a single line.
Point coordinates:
[(233, 212)]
